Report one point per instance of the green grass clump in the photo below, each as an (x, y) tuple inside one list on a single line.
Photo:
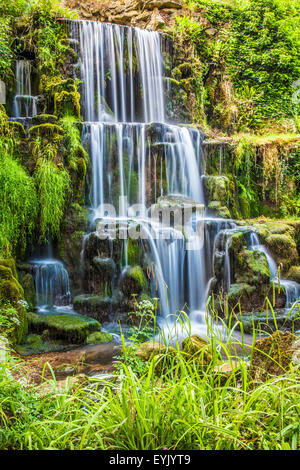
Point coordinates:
[(53, 186), (172, 403), (19, 204)]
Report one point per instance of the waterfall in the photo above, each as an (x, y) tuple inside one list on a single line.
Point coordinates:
[(292, 289), (125, 129), (25, 105), (121, 70), (52, 285)]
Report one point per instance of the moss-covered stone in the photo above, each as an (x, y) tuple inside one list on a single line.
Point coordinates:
[(47, 131), (272, 356), (44, 119), (71, 328), (216, 209), (216, 189), (251, 267), (283, 249), (94, 306), (99, 337), (28, 284), (133, 281), (196, 346), (294, 274), (11, 297), (67, 104), (105, 267), (146, 351)]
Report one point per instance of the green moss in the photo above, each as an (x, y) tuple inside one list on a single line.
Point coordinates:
[(251, 267), (44, 119), (98, 338), (133, 281), (70, 328), (11, 295), (216, 189), (67, 103), (47, 131), (95, 306), (283, 249), (28, 284), (294, 274), (218, 210)]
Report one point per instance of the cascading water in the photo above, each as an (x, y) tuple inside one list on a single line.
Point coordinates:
[(123, 105), (292, 289), (52, 285), (25, 105)]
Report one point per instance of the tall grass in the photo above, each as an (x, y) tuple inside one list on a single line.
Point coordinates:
[(174, 404), (53, 190)]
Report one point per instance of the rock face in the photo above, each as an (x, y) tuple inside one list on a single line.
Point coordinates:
[(152, 14)]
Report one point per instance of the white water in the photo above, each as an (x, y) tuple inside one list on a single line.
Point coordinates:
[(52, 286), (124, 108), (25, 105)]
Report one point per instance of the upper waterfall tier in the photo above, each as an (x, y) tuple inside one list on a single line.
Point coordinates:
[(122, 72), (25, 105)]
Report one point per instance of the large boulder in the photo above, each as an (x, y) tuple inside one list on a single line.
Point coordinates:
[(71, 328)]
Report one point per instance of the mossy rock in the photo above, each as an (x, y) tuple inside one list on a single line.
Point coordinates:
[(217, 210), (146, 351), (246, 298), (94, 306), (294, 274), (28, 284), (66, 103), (99, 337), (44, 119), (216, 189), (133, 281), (73, 329), (105, 267), (11, 294), (9, 263), (251, 267), (283, 249), (195, 346), (47, 131), (272, 356)]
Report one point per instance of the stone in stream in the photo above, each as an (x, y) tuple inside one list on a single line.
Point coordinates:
[(71, 328)]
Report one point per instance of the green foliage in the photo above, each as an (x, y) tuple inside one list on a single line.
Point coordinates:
[(5, 50), (256, 45), (183, 407), (18, 204), (264, 53), (53, 186)]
